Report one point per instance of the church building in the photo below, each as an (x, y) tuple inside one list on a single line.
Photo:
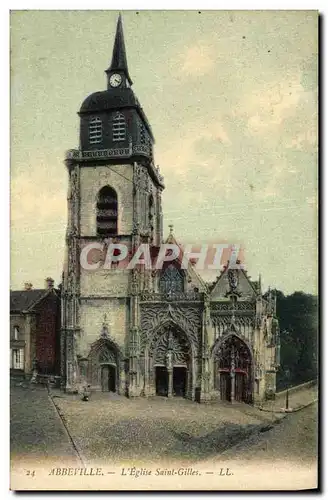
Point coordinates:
[(141, 332)]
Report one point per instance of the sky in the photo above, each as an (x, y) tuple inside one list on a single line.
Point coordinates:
[(232, 100)]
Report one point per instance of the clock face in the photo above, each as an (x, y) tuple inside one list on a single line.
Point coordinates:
[(115, 80)]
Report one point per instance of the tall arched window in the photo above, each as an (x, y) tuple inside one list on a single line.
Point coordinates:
[(171, 280), (95, 131), (119, 127), (107, 211)]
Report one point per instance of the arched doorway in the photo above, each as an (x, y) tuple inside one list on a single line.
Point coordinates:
[(103, 373), (108, 371), (171, 362), (233, 373)]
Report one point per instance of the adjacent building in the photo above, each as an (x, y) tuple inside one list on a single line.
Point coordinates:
[(35, 330)]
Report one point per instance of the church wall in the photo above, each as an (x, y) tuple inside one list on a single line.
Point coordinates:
[(259, 365), (92, 314), (92, 179), (270, 384), (265, 361), (104, 282)]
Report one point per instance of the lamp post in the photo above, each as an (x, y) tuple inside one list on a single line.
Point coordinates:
[(287, 374)]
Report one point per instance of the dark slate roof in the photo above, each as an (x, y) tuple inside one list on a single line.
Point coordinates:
[(109, 99), (113, 99), (21, 300)]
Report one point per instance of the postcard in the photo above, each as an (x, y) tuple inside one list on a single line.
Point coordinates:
[(164, 295)]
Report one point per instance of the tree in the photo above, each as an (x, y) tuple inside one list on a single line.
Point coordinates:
[(298, 319)]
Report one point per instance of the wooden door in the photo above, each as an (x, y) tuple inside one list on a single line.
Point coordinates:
[(179, 381), (105, 378), (162, 381), (240, 386), (112, 378), (225, 386)]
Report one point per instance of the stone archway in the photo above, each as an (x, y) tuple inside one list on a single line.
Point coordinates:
[(169, 363), (103, 366), (233, 369)]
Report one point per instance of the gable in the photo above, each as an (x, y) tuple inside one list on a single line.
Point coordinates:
[(245, 287), (193, 279)]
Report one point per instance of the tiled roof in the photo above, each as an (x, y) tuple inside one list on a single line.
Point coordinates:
[(21, 300)]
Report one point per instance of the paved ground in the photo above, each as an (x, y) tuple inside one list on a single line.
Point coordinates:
[(141, 429), (283, 458), (293, 438), (36, 431), (112, 431), (156, 428)]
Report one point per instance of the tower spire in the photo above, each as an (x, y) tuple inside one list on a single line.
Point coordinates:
[(119, 61)]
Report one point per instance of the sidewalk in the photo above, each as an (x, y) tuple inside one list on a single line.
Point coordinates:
[(297, 399), (37, 434)]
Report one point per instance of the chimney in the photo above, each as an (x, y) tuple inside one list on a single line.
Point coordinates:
[(28, 286), (49, 283)]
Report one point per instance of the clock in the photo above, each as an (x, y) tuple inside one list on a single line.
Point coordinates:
[(115, 80)]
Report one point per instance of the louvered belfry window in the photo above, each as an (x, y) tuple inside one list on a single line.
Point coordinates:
[(95, 131), (119, 127), (107, 211)]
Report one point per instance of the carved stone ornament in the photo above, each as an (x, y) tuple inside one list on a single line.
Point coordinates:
[(134, 282), (136, 228), (170, 347), (141, 178), (271, 304), (188, 319), (104, 330), (233, 279), (238, 306), (74, 190)]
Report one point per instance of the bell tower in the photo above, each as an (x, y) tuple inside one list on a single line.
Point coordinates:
[(114, 196)]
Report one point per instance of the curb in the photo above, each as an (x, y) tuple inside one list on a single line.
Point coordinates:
[(296, 388), (63, 420), (304, 406)]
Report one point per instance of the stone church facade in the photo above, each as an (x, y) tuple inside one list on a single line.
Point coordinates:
[(144, 332)]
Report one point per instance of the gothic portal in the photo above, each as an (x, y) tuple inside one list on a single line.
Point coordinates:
[(137, 332)]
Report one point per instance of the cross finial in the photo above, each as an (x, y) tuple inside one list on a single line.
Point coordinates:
[(171, 228)]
